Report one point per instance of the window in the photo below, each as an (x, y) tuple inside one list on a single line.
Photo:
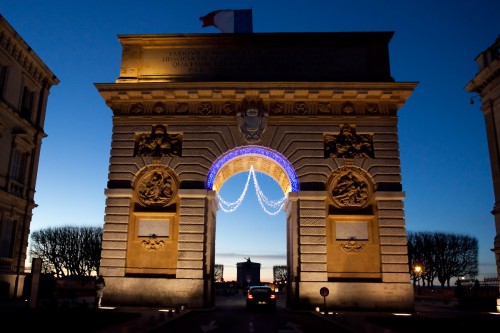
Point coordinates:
[(7, 229), (17, 165), (27, 102), (3, 79)]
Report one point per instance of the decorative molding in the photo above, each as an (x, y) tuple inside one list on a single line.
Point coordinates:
[(24, 56), (123, 106), (352, 246), (152, 243)]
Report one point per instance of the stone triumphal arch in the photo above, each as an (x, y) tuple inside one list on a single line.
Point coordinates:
[(318, 112)]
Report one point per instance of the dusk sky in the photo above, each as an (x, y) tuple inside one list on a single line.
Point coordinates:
[(444, 153)]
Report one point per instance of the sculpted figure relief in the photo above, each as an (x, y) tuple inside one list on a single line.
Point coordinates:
[(158, 143), (156, 188), (348, 144), (349, 189)]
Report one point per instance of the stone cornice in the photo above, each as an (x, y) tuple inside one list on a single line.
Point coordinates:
[(296, 98), (21, 52), (485, 77)]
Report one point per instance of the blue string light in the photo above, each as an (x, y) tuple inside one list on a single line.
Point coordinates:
[(253, 150)]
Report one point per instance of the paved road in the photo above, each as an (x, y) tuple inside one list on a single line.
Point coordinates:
[(230, 315)]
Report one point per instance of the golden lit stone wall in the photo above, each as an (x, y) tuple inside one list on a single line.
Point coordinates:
[(329, 125)]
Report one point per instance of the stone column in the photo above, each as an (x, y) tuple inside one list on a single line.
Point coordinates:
[(115, 232), (393, 241), (196, 240)]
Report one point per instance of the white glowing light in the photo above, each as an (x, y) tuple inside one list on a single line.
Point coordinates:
[(264, 202)]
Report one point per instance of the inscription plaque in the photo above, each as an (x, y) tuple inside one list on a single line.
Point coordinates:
[(309, 57), (352, 230), (159, 228)]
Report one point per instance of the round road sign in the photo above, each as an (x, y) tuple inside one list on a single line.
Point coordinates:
[(324, 291)]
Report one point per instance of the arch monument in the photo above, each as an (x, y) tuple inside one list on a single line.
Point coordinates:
[(318, 112)]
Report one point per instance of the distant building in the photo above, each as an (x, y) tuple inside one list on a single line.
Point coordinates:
[(486, 84), (247, 273), (25, 83)]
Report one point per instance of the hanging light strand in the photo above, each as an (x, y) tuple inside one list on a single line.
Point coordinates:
[(264, 202), (232, 206)]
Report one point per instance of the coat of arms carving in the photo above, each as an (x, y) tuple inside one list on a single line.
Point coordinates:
[(252, 120)]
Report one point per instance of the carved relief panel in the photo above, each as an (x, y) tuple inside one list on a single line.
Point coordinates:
[(353, 250), (348, 144), (349, 189), (158, 143), (156, 186)]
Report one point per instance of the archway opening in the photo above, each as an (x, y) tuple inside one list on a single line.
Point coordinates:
[(251, 221)]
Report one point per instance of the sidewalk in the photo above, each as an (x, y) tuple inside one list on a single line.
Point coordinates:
[(80, 316), (147, 320), (430, 314)]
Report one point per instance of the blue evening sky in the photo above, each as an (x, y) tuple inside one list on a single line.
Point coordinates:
[(444, 153)]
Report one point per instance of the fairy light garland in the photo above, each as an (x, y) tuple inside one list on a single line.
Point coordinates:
[(264, 202)]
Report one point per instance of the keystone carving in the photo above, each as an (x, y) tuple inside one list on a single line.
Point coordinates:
[(252, 120)]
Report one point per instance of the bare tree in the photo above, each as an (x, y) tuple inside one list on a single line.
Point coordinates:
[(441, 256), (68, 250), (280, 273), (218, 273)]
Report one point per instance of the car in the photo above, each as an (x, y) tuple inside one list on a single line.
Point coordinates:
[(261, 296)]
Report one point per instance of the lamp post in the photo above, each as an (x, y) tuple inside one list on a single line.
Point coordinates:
[(417, 271)]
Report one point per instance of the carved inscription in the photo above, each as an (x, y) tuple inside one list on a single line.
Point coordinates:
[(258, 62)]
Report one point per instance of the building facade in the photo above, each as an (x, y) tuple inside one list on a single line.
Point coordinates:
[(247, 273), (25, 83), (486, 84)]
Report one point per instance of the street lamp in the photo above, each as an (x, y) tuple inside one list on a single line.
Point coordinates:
[(417, 269)]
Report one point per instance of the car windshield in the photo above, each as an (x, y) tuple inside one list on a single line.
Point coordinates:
[(260, 291)]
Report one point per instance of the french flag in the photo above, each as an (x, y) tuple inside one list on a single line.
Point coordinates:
[(229, 21)]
